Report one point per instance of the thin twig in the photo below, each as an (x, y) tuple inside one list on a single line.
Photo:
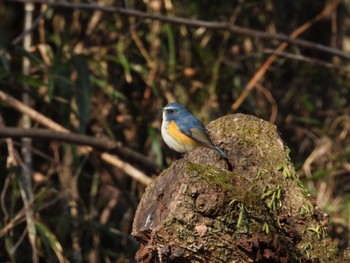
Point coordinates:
[(30, 29), (127, 168), (222, 26), (270, 98), (263, 69), (43, 120), (300, 57), (33, 114), (116, 147), (37, 133), (81, 139), (20, 215)]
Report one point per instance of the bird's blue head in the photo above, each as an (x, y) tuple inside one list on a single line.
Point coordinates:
[(174, 111)]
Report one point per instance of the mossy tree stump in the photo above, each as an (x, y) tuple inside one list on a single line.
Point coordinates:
[(199, 210)]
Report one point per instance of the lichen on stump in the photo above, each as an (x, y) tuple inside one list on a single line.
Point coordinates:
[(200, 210)]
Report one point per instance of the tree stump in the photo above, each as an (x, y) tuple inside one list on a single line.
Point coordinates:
[(200, 210)]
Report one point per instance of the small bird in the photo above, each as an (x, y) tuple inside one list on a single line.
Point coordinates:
[(183, 132)]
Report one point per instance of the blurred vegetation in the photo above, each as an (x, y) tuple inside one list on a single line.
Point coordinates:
[(107, 75)]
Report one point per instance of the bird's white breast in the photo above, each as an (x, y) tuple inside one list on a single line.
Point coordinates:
[(172, 142)]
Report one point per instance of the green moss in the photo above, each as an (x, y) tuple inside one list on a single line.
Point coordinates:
[(322, 251), (306, 209), (212, 175), (272, 196)]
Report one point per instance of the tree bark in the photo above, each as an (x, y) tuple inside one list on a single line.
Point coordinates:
[(252, 209)]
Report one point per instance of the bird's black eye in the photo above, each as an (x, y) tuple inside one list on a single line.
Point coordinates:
[(170, 111)]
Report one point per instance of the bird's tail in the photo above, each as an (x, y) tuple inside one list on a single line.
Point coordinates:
[(221, 152)]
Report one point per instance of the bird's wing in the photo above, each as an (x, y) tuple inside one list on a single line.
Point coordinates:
[(193, 128), (200, 134)]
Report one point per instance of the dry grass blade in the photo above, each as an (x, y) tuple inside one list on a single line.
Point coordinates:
[(25, 185), (48, 237)]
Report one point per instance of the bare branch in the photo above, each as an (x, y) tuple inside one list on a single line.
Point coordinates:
[(43, 120), (80, 139), (300, 57), (222, 26), (267, 64)]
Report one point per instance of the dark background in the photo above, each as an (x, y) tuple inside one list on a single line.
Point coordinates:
[(107, 75)]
